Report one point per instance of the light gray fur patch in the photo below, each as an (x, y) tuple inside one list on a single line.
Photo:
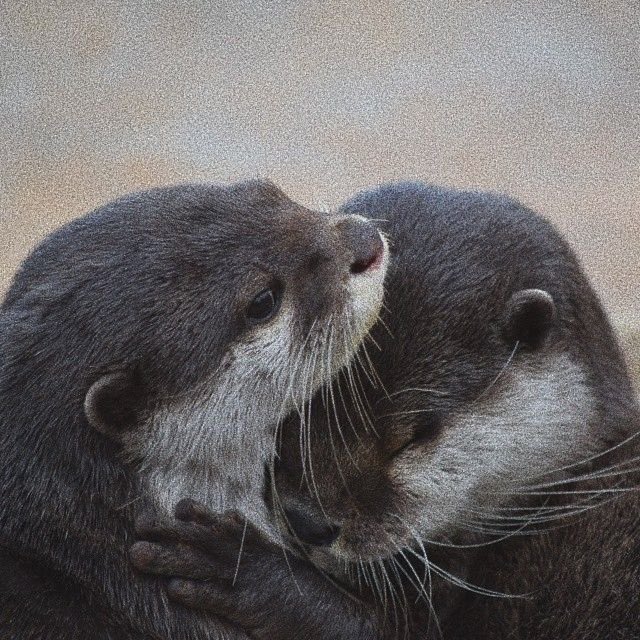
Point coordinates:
[(534, 421), (212, 444)]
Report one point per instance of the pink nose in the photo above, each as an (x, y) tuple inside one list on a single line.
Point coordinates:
[(369, 258), (364, 242)]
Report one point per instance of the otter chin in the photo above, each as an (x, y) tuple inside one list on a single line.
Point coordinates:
[(148, 351)]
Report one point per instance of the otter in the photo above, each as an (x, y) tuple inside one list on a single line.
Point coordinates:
[(460, 454), (147, 352)]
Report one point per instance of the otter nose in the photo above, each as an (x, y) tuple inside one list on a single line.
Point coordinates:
[(365, 243), (309, 531)]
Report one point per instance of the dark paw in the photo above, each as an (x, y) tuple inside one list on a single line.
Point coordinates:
[(166, 559), (197, 544)]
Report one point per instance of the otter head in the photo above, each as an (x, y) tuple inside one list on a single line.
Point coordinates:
[(191, 318), (489, 382)]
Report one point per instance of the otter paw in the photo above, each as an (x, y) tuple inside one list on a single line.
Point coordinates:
[(199, 545)]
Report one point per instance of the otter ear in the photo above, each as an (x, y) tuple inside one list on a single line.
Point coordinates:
[(114, 403), (529, 316)]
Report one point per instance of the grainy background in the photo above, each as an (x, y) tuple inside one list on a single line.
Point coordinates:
[(539, 99)]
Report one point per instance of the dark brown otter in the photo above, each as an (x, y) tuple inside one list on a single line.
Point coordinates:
[(495, 406), (147, 352)]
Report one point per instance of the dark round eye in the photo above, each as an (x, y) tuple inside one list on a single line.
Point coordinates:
[(264, 305)]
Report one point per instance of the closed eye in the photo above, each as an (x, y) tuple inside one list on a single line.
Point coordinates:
[(425, 430)]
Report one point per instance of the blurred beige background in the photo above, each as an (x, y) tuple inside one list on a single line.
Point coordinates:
[(540, 99)]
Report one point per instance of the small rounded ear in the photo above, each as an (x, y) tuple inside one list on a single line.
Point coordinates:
[(114, 402), (529, 316)]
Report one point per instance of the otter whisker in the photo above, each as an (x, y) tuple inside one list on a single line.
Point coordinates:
[(376, 588), (371, 339), (345, 407), (456, 580), (591, 458), (384, 324), (606, 472), (304, 367), (363, 570), (401, 593), (244, 533), (302, 414), (467, 586), (365, 359), (314, 486), (409, 412), (388, 588), (378, 220), (357, 365), (573, 510), (331, 441), (572, 492), (503, 535), (302, 429), (419, 390), (427, 568), (536, 513), (357, 401), (374, 372), (419, 585), (504, 368), (337, 423)]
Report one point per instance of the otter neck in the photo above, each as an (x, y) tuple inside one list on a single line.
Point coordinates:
[(213, 450)]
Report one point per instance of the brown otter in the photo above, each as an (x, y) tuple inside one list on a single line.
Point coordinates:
[(499, 406), (147, 352)]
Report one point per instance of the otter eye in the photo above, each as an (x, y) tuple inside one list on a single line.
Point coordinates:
[(424, 432), (264, 305)]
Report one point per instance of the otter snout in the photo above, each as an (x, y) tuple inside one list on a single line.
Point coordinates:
[(310, 530)]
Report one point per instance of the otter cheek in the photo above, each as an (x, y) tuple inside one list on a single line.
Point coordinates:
[(427, 491)]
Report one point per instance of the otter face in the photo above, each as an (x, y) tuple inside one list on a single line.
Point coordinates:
[(198, 316), (437, 460), (308, 288), (485, 388)]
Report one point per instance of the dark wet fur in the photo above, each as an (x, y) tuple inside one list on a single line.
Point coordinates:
[(582, 581)]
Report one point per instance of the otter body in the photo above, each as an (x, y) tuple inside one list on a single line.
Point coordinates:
[(496, 406), (147, 353)]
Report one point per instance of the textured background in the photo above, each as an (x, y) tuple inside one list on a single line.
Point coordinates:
[(539, 99)]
